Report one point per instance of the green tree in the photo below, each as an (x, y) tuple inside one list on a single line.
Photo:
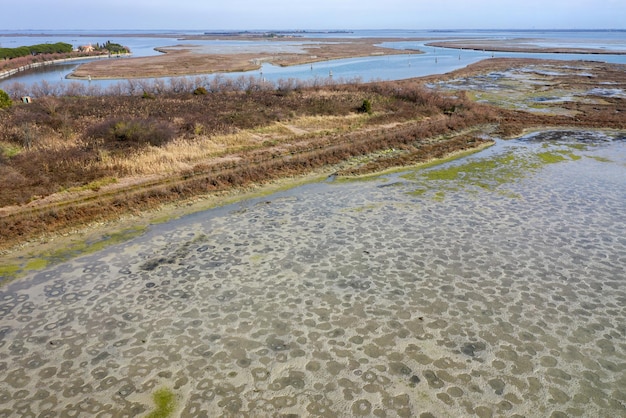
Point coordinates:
[(23, 51), (366, 107), (5, 100)]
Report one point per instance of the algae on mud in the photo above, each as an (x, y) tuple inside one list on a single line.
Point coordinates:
[(37, 261), (488, 172), (165, 401)]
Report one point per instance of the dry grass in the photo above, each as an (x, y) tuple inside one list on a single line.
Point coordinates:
[(183, 154), (318, 123)]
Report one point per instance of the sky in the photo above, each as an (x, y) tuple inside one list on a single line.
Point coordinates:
[(209, 15)]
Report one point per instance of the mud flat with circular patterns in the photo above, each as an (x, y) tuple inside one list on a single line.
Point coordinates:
[(488, 286)]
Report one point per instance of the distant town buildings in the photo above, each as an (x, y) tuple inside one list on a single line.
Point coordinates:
[(86, 48)]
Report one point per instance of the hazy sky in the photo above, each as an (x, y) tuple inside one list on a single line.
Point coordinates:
[(312, 14)]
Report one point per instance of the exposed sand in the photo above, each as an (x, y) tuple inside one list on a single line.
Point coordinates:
[(523, 45)]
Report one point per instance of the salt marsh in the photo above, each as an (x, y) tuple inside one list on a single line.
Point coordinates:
[(492, 285)]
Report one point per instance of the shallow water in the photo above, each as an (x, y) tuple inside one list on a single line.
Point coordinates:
[(373, 68), (492, 285)]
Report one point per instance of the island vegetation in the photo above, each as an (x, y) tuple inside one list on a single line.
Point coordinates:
[(24, 56), (68, 160), (24, 51)]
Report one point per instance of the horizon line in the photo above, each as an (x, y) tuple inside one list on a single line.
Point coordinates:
[(290, 30)]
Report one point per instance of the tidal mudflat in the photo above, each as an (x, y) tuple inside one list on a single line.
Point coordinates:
[(539, 87), (492, 285)]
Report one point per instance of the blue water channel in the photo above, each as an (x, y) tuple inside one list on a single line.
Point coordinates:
[(427, 60)]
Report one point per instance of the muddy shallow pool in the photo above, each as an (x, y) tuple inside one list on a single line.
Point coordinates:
[(492, 285)]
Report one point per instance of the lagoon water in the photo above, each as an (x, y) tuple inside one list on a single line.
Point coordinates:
[(492, 285), (433, 61)]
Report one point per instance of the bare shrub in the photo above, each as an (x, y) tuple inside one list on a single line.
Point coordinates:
[(94, 90), (115, 89), (16, 90), (75, 89), (49, 104), (221, 83), (28, 135), (133, 132), (179, 85), (159, 86), (132, 87), (44, 88), (285, 86)]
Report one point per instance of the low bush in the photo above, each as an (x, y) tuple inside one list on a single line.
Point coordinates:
[(366, 107), (5, 100), (121, 133)]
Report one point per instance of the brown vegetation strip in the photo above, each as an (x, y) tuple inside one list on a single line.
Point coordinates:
[(419, 154)]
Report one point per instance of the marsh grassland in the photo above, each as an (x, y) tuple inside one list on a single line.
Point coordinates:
[(64, 158), (463, 254)]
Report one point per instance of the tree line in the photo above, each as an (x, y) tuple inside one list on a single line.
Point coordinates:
[(57, 48), (24, 51), (112, 47)]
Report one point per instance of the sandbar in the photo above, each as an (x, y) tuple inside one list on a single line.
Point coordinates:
[(186, 59), (527, 45)]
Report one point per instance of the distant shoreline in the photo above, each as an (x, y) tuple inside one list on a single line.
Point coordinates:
[(183, 32), (13, 71), (519, 45)]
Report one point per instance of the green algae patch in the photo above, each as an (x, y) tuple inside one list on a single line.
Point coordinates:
[(381, 175), (477, 170), (85, 247), (439, 196), (490, 173), (485, 173), (9, 272), (38, 261), (557, 156), (36, 264), (551, 157), (165, 401), (257, 258), (601, 159)]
